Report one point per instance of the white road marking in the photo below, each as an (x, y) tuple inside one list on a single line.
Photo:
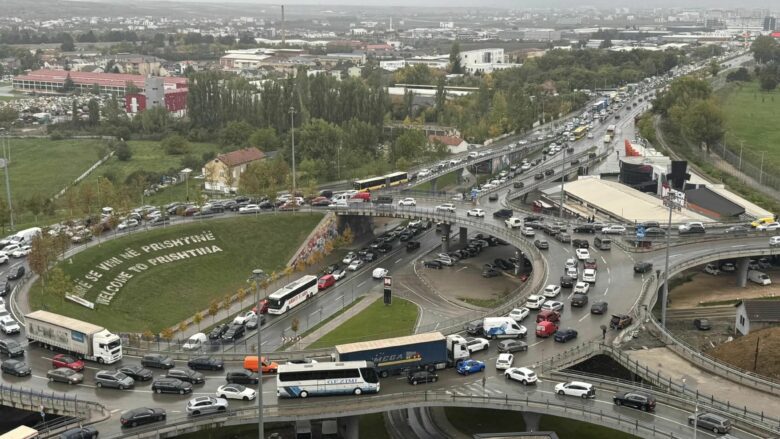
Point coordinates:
[(114, 411), (399, 260), (361, 284), (741, 245), (540, 341), (606, 290), (603, 260), (437, 326), (461, 269)]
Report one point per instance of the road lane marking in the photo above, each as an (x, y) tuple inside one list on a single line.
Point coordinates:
[(540, 341), (603, 260), (606, 290), (461, 269), (583, 317), (399, 260), (361, 284)]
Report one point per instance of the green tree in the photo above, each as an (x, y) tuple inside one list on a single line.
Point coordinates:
[(455, 66), (236, 134), (67, 43), (68, 85), (713, 68), (408, 145), (605, 44), (8, 115), (42, 254), (123, 151), (175, 145), (93, 109), (764, 49), (704, 122), (265, 139), (58, 284)]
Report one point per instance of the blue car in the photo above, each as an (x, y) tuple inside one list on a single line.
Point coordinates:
[(564, 335), (466, 367)]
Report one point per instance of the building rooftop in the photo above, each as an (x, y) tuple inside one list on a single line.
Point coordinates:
[(240, 156), (103, 79), (710, 200), (761, 310)]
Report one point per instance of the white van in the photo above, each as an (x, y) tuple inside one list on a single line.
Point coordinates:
[(340, 199), (503, 327), (195, 342), (22, 237), (759, 277)]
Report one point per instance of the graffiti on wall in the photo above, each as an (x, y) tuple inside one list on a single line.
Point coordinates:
[(325, 232)]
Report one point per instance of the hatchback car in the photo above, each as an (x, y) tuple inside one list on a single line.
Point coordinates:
[(589, 275), (71, 362), (171, 385), (534, 301), (142, 415), (582, 254), (157, 361), (504, 361), (469, 366), (114, 379), (326, 281), (552, 305), (512, 346), (136, 372), (576, 388), (599, 307), (551, 291), (187, 375), (479, 213), (65, 375), (564, 335), (522, 374), (542, 244), (643, 267), (422, 376), (236, 391), (581, 287), (518, 314), (202, 405)]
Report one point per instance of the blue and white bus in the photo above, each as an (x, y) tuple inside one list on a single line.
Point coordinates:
[(323, 379), (292, 294)]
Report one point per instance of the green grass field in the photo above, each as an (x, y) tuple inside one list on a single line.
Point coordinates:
[(442, 183), (473, 421), (752, 117), (149, 156), (397, 320), (166, 293)]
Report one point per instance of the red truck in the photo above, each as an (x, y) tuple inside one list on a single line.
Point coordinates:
[(545, 329)]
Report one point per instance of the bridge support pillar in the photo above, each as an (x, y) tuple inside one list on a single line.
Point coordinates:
[(531, 421), (433, 184), (349, 427), (445, 238), (742, 272), (463, 236)]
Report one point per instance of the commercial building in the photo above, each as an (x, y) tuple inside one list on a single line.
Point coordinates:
[(53, 81), (223, 173), (155, 95), (483, 60)]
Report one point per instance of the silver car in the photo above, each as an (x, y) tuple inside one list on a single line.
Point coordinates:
[(115, 379), (202, 405)]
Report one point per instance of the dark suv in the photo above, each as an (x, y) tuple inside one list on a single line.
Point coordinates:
[(233, 333), (157, 361), (637, 400), (187, 375), (171, 385), (643, 267), (422, 376), (241, 377)]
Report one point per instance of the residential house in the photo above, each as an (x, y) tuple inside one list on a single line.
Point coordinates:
[(753, 315), (222, 174), (453, 143)]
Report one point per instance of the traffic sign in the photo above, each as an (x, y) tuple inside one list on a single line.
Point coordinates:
[(640, 232), (388, 281)]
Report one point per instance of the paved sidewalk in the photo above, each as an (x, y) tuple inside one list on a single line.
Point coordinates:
[(670, 364), (367, 300)]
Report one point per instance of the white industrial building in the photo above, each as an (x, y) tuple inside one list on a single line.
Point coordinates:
[(483, 60)]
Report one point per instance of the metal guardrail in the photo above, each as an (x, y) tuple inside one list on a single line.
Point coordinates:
[(60, 404), (677, 241)]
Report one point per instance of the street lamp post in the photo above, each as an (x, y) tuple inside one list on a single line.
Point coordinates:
[(6, 152), (666, 261), (257, 276), (292, 138), (563, 180)]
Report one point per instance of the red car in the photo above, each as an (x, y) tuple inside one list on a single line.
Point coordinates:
[(64, 360), (591, 263), (263, 307), (326, 281)]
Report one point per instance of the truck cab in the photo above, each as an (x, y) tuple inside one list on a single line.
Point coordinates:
[(545, 329), (457, 349)]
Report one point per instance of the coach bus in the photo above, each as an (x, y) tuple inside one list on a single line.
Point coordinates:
[(323, 379), (580, 132), (292, 294), (370, 184)]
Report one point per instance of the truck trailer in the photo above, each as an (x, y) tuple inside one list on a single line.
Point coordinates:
[(429, 351), (84, 340)]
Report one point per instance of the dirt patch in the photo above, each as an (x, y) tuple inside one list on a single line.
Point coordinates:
[(722, 331), (707, 288), (741, 352)]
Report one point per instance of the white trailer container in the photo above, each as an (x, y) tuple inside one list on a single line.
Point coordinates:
[(85, 340)]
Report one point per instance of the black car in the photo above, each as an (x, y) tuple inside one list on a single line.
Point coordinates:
[(241, 377), (474, 328), (12, 348), (384, 247), (205, 363), (643, 267), (733, 230), (637, 400), (503, 213), (538, 176), (142, 415), (542, 244), (692, 229), (157, 361), (369, 256), (218, 330), (649, 224), (406, 235), (550, 171), (599, 307), (493, 197), (171, 385), (702, 324), (503, 264), (433, 264), (567, 281), (518, 185), (564, 335), (136, 372), (186, 375), (489, 272), (412, 245), (233, 333), (5, 288), (422, 376), (584, 228), (16, 367), (580, 243), (80, 433), (16, 272), (579, 300)]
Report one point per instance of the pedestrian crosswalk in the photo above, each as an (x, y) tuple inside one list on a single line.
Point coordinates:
[(474, 389)]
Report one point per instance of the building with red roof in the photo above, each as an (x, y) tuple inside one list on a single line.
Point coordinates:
[(224, 171), (52, 81), (453, 143)]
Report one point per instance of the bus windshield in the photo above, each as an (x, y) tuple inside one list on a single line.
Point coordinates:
[(369, 375)]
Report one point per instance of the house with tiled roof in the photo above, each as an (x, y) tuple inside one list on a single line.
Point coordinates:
[(453, 143), (222, 174), (753, 315)]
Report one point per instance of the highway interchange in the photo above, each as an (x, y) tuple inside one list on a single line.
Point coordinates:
[(616, 284)]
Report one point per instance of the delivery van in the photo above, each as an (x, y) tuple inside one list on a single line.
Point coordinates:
[(759, 277), (250, 363), (502, 327)]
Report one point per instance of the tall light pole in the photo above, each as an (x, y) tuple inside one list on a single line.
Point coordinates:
[(258, 276), (563, 180), (292, 137)]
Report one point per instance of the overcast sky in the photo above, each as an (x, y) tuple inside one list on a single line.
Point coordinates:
[(521, 4)]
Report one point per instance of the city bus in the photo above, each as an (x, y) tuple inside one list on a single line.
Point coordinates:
[(580, 132), (292, 294), (322, 379), (370, 184)]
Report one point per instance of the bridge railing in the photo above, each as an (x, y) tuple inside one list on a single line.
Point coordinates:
[(547, 178), (633, 245), (50, 402)]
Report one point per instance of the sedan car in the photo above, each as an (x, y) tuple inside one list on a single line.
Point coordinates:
[(614, 229), (468, 366), (551, 291), (16, 367), (113, 379), (589, 275), (479, 213), (205, 363), (69, 361), (643, 267), (86, 432), (136, 372), (518, 314), (171, 385), (355, 265), (504, 361), (157, 361), (142, 415), (476, 344), (522, 374), (407, 202), (599, 307), (351, 256), (218, 331), (512, 346), (446, 207), (187, 375), (233, 333), (202, 405), (581, 287), (552, 305), (564, 335), (637, 400), (242, 376), (582, 254), (379, 273), (65, 375), (422, 376), (12, 348), (236, 391), (576, 388)]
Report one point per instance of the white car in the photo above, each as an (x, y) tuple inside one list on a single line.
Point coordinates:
[(774, 241), (513, 222), (572, 272), (354, 265), (407, 202), (504, 361), (522, 142), (446, 207), (712, 269), (9, 326), (236, 391), (614, 229), (551, 290), (3, 258), (582, 287), (576, 388), (522, 374), (351, 256), (553, 305), (589, 275), (582, 254), (518, 314), (476, 344), (476, 212), (22, 252), (528, 231), (379, 273), (526, 166), (128, 224), (242, 318), (339, 274), (423, 173), (769, 226), (249, 208), (571, 262), (534, 301), (9, 249), (590, 135)]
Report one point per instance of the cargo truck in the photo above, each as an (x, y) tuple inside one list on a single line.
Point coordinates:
[(84, 340), (429, 351)]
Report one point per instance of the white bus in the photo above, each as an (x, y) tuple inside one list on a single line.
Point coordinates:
[(322, 379), (292, 294)]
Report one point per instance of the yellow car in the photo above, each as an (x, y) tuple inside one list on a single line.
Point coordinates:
[(761, 221)]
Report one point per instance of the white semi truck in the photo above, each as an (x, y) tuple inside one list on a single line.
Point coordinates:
[(84, 340)]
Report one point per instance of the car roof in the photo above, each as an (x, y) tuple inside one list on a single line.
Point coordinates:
[(580, 383), (504, 355)]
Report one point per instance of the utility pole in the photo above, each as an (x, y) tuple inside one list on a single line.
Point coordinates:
[(6, 147), (761, 173), (292, 137), (257, 276), (563, 180)]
